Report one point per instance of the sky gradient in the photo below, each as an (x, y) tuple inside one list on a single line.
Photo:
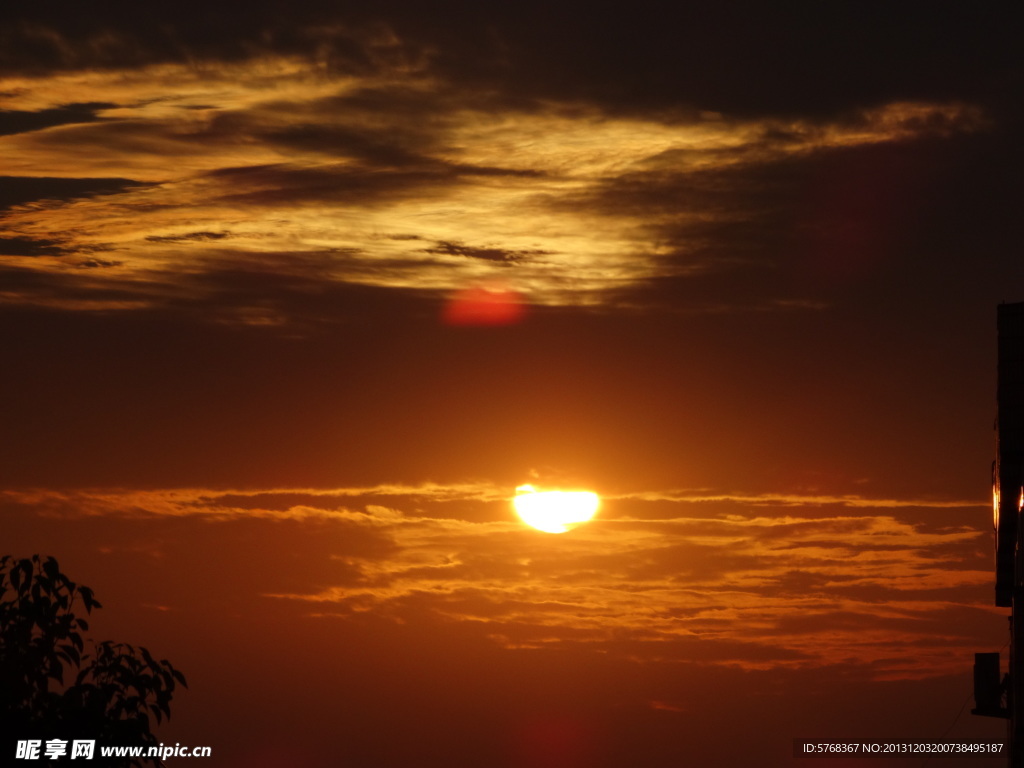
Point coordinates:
[(291, 301)]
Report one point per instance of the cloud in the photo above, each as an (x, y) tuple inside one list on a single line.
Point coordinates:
[(202, 237), (312, 157), (746, 589), (653, 58), (27, 246), (798, 500), (98, 264), (487, 254), (14, 121), (19, 190)]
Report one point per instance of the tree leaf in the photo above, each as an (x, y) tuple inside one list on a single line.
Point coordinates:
[(25, 566), (51, 570)]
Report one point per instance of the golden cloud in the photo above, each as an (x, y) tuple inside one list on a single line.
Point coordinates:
[(364, 178)]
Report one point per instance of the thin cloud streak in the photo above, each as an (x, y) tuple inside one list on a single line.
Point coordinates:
[(788, 499), (183, 501)]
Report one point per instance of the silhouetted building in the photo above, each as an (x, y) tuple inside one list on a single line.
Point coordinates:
[(990, 692)]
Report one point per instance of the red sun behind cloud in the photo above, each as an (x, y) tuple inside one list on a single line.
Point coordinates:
[(482, 305)]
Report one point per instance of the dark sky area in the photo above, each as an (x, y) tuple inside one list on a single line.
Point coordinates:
[(294, 297)]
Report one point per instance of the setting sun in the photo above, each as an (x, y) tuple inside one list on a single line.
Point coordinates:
[(554, 511)]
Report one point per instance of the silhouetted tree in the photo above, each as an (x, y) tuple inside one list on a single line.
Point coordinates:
[(111, 688)]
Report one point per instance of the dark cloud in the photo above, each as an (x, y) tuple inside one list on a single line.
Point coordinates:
[(284, 185), (119, 35), (98, 264), (501, 255), (19, 190), (417, 121), (202, 237), (380, 150), (745, 58), (30, 246), (825, 225), (44, 246), (12, 121)]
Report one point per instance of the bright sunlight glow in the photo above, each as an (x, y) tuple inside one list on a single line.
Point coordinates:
[(554, 511)]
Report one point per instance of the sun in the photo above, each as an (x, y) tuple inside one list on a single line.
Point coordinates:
[(554, 511)]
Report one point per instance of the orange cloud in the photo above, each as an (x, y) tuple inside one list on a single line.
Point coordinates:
[(726, 588)]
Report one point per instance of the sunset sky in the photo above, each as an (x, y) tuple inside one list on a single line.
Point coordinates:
[(293, 297)]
